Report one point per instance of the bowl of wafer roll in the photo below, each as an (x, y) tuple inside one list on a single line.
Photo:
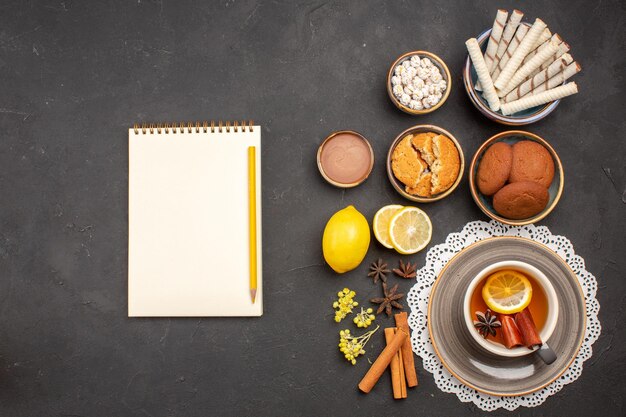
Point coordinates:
[(517, 72)]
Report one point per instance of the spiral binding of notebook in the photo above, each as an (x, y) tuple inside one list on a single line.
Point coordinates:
[(190, 127)]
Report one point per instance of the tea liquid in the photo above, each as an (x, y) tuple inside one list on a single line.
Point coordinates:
[(538, 305)]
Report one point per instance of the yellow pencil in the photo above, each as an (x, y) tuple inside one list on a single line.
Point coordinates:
[(252, 218)]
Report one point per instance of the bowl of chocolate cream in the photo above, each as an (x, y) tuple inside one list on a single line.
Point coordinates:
[(345, 159)]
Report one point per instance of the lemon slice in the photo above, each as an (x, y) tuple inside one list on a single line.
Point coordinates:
[(507, 292), (410, 230), (381, 221)]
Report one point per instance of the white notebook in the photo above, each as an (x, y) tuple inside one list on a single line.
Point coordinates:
[(188, 227)]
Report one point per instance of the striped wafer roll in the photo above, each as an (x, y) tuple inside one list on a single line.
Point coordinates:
[(520, 53), (483, 73), (545, 35), (563, 49), (494, 39), (526, 69), (529, 86), (569, 71), (539, 99), (554, 37), (522, 30), (507, 35)]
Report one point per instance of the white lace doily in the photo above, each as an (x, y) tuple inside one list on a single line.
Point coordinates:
[(439, 255)]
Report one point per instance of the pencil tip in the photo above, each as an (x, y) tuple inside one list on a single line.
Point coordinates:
[(253, 295)]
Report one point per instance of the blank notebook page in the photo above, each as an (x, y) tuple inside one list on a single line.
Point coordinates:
[(188, 224)]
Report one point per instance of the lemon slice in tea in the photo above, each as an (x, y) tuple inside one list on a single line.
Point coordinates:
[(507, 291)]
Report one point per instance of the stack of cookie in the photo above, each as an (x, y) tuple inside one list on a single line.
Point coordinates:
[(426, 163), (517, 176)]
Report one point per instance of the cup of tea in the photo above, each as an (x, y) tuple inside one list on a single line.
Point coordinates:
[(543, 308)]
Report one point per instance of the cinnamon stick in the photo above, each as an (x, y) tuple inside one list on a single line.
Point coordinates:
[(380, 364), (406, 351), (527, 328), (398, 382), (402, 374), (511, 336)]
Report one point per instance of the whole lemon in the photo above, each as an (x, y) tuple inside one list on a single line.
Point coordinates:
[(346, 239)]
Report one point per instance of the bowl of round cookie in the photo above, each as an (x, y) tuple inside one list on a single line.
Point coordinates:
[(425, 163), (516, 178), (418, 82)]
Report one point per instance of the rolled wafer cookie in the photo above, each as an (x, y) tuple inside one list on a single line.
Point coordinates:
[(539, 99), (529, 85), (569, 71), (522, 30), (543, 44), (526, 69), (494, 39), (520, 53), (483, 73), (507, 35), (563, 49)]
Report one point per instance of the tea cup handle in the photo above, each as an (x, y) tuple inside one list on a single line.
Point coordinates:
[(546, 353)]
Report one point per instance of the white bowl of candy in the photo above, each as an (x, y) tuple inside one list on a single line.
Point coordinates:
[(418, 82)]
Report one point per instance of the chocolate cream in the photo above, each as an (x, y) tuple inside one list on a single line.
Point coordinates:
[(346, 158)]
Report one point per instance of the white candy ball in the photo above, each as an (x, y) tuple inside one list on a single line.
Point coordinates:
[(415, 61), (426, 63), (417, 95), (399, 70), (418, 83), (426, 103), (415, 105), (423, 73), (435, 77), (405, 99), (398, 90), (408, 89), (395, 80), (406, 64), (412, 72)]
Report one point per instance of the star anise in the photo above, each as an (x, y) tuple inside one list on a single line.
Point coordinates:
[(406, 270), (389, 300), (378, 271), (487, 323)]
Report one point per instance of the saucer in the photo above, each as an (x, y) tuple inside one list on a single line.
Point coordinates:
[(464, 358)]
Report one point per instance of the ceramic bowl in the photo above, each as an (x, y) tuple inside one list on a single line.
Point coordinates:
[(320, 166), (546, 287), (484, 203), (399, 186), (445, 74), (524, 117), (470, 363)]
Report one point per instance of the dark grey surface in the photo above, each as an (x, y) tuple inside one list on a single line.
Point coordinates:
[(75, 76)]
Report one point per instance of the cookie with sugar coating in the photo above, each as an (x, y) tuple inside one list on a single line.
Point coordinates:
[(447, 164), (406, 163)]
